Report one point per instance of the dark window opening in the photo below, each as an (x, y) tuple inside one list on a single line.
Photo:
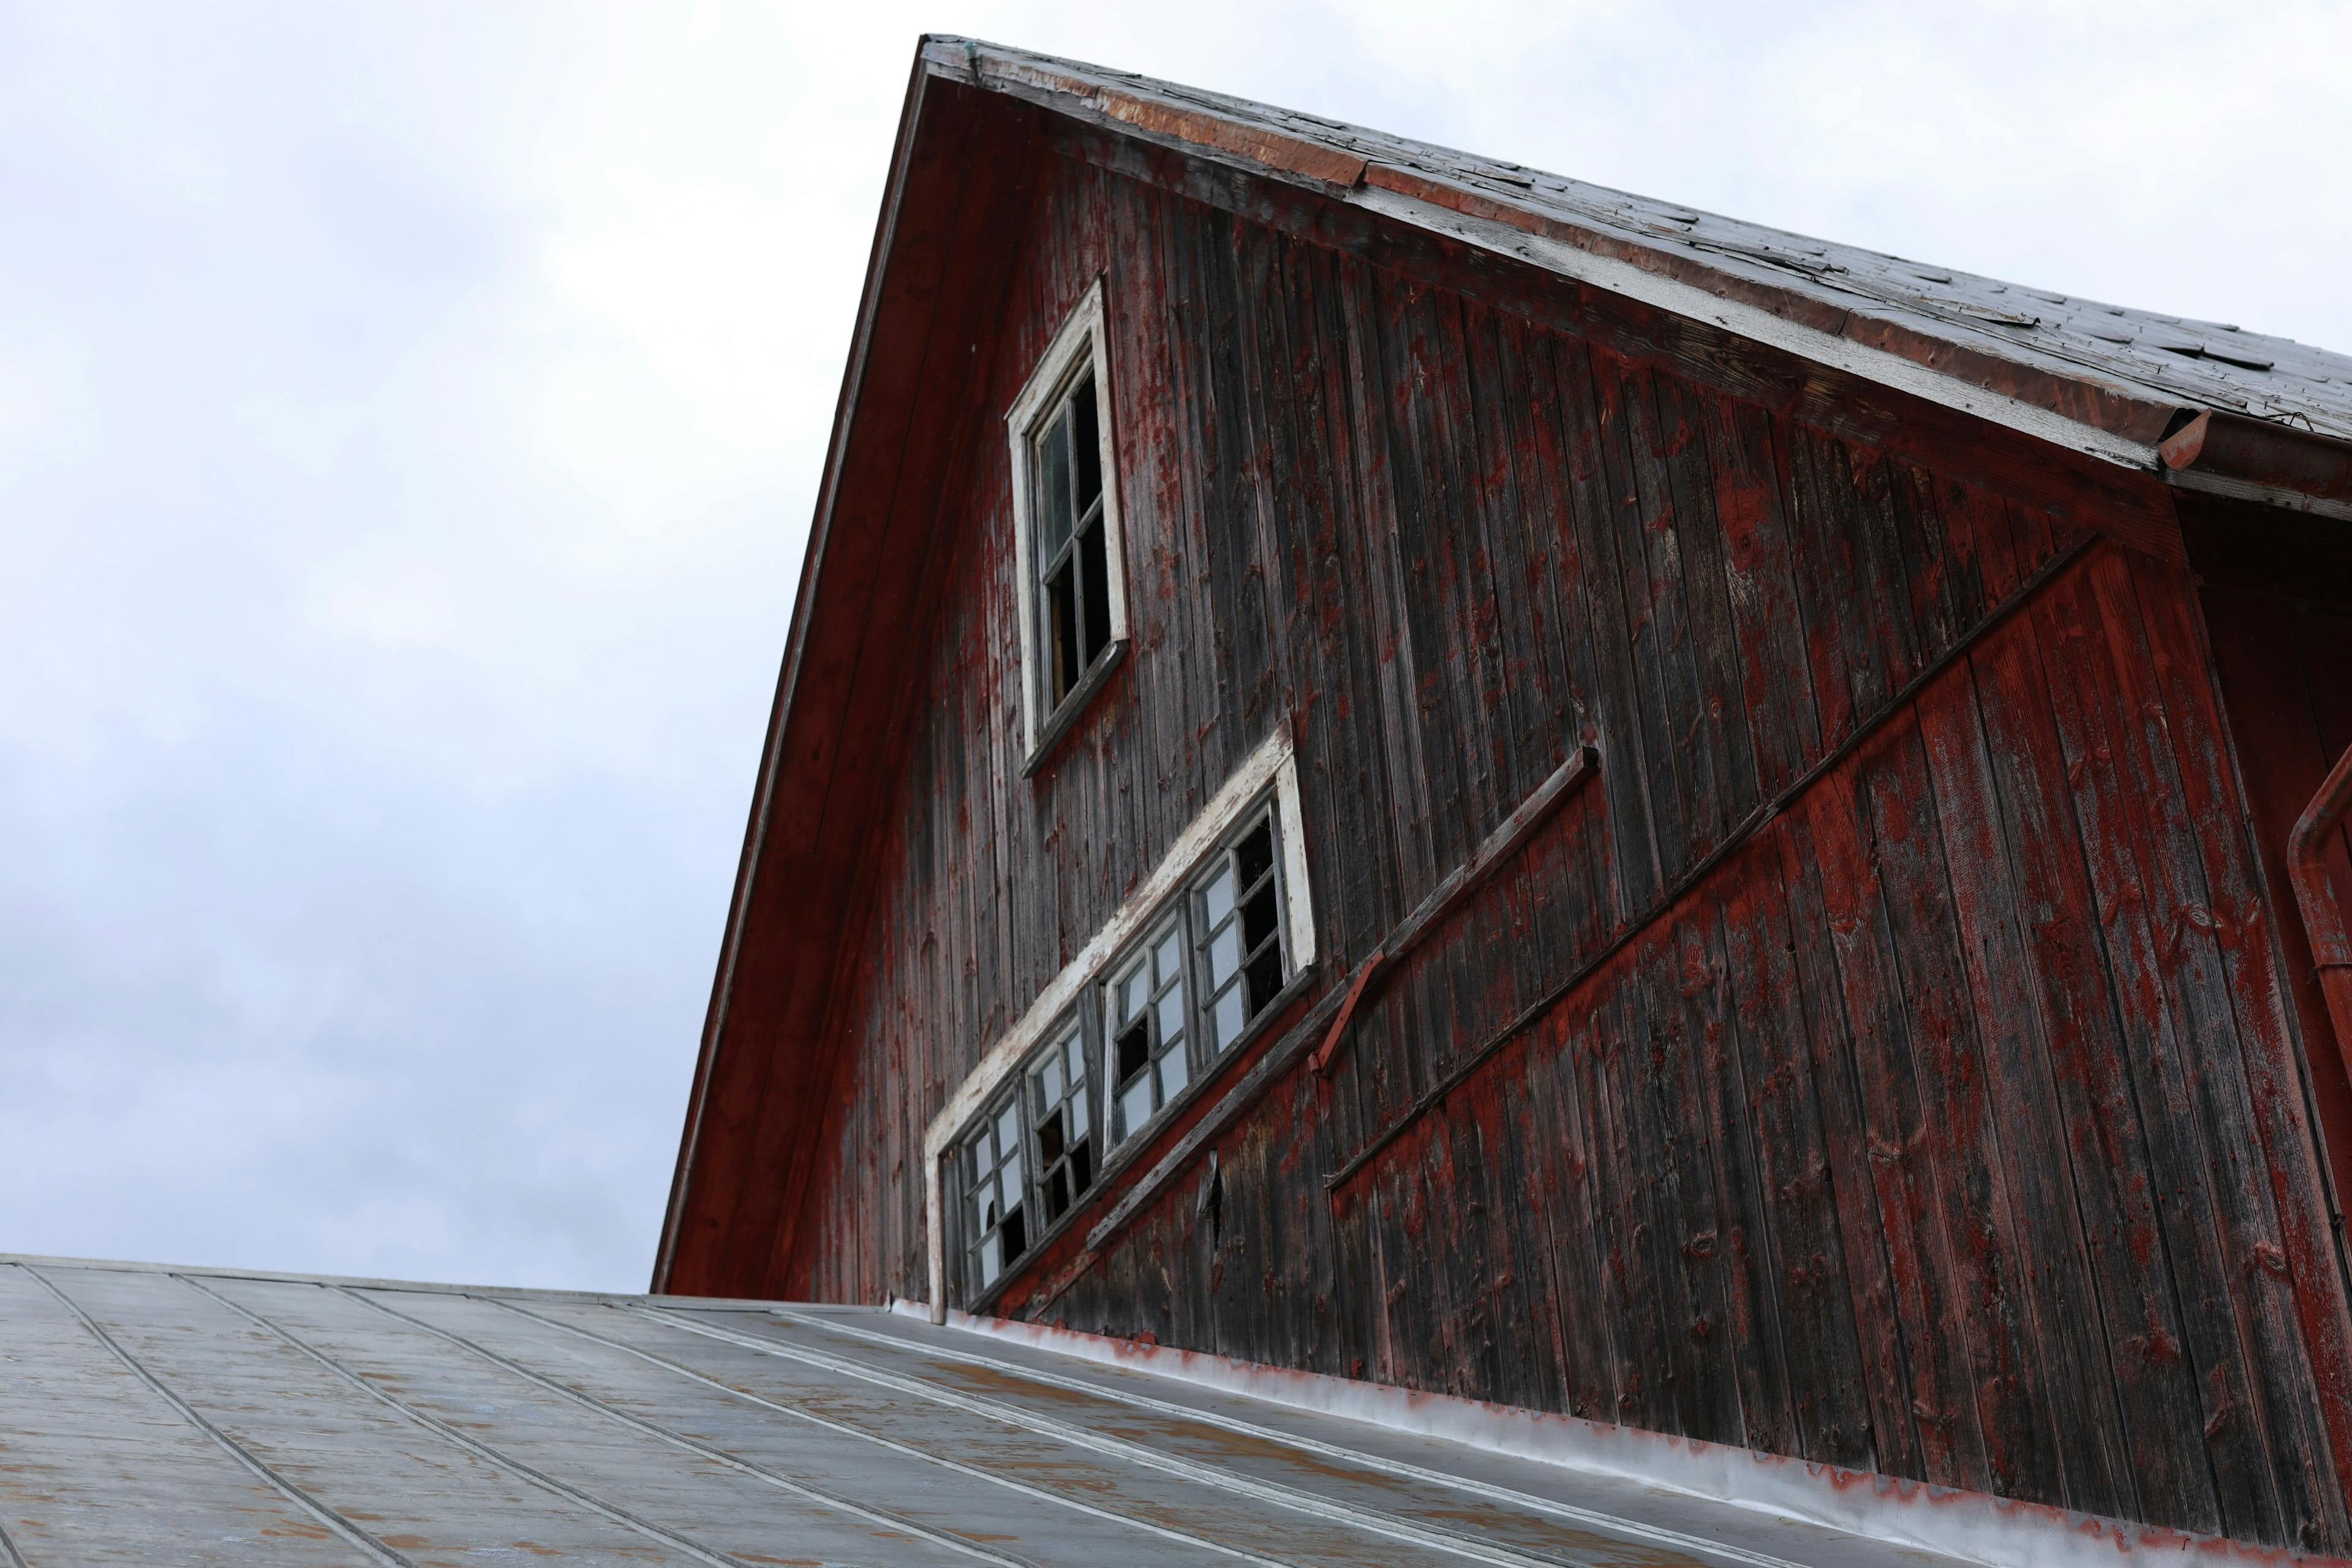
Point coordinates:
[(1065, 1144), (1215, 959), (1239, 907), (1073, 564), (995, 1218), (1150, 1023)]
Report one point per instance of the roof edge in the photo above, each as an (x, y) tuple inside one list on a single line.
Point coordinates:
[(780, 710), (2085, 408)]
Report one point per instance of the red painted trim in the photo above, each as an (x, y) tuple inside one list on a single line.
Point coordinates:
[(2323, 917)]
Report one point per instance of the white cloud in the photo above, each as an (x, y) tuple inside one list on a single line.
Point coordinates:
[(410, 415)]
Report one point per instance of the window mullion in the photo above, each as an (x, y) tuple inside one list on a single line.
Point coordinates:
[(1198, 1026)]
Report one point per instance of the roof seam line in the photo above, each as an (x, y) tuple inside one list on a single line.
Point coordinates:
[(237, 1450), (912, 1452), (1593, 1517), (1392, 1526), (480, 1450), (679, 1440)]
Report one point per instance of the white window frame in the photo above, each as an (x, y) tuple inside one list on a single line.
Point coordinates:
[(1272, 767), (1080, 342)]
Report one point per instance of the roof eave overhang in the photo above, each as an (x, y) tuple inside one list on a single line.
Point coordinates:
[(808, 605), (2028, 389)]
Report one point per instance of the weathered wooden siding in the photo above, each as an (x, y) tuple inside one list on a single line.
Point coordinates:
[(2276, 590), (1950, 1124)]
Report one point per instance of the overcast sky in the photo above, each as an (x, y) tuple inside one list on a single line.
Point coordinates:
[(409, 419)]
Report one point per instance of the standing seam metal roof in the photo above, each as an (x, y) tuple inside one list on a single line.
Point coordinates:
[(198, 1416)]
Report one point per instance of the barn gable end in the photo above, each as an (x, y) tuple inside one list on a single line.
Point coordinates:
[(1890, 1045)]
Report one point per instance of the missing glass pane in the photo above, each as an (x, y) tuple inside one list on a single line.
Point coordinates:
[(1071, 565), (1238, 907)]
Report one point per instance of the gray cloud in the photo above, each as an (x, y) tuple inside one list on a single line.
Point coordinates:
[(409, 418)]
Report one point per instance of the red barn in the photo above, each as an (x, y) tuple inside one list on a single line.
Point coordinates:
[(1397, 766)]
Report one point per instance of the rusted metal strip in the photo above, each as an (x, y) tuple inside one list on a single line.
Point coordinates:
[(1321, 1060), (1697, 876), (2323, 916)]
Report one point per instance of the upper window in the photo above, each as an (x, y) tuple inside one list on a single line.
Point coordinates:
[(1071, 562), (1066, 525)]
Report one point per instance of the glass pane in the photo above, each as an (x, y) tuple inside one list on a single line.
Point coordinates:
[(1230, 1017), (1171, 1075), (1133, 991), (1224, 955), (1086, 444), (1172, 1016), (1135, 1105), (1075, 1056), (981, 1156), (1077, 1117), (1053, 490), (1168, 956), (1061, 632), (1217, 898), (991, 1259), (1049, 1078), (1010, 1181), (1008, 1131)]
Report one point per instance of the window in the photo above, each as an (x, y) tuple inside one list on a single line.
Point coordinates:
[(1058, 1110), (1214, 956), (1065, 519), (994, 1221), (1149, 1030), (1238, 918), (1073, 572)]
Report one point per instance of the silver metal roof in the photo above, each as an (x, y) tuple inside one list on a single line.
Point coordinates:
[(195, 1416)]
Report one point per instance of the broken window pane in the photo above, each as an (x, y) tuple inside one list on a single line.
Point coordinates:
[(1085, 446), (1053, 515), (996, 1221), (1057, 1105), (1150, 1023), (1239, 906), (1071, 566)]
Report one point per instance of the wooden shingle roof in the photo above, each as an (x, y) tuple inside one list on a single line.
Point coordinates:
[(2133, 376)]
